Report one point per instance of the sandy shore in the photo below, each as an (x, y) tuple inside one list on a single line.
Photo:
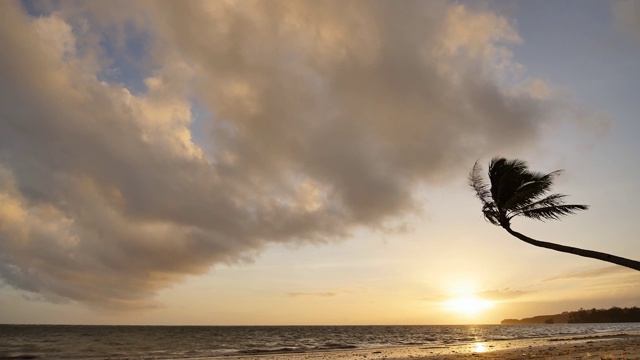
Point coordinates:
[(607, 346)]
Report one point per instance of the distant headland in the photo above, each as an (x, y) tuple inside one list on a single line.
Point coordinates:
[(615, 314)]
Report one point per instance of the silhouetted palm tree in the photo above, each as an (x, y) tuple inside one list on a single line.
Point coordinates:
[(517, 191)]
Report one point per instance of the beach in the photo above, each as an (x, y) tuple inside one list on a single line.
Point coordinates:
[(606, 347)]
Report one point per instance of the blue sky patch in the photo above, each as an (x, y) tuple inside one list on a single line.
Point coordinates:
[(129, 61)]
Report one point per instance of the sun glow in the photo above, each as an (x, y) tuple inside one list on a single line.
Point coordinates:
[(469, 305)]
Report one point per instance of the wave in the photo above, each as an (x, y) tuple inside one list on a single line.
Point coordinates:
[(297, 349), (24, 342)]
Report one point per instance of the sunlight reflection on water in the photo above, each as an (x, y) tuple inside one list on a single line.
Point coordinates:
[(479, 347)]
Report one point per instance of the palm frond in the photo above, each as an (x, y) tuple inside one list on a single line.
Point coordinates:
[(553, 212), (515, 190), (498, 167), (551, 200), (506, 177), (533, 186), (479, 186)]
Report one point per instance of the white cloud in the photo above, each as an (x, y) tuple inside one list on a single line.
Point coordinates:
[(325, 117)]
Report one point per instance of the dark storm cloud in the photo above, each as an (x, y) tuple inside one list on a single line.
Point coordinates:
[(325, 116)]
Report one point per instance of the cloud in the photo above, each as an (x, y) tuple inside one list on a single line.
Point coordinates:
[(332, 293), (591, 273), (490, 294), (314, 294), (626, 15), (316, 118), (502, 294)]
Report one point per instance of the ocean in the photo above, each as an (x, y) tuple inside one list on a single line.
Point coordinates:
[(191, 342)]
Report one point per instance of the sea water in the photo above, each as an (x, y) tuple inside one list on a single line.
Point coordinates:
[(188, 342)]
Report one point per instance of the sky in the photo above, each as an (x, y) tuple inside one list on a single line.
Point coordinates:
[(305, 163)]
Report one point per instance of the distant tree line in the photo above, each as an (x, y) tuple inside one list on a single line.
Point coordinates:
[(613, 315)]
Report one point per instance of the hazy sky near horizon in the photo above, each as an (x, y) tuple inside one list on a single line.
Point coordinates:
[(278, 162)]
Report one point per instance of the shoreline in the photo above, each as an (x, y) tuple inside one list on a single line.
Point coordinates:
[(616, 345)]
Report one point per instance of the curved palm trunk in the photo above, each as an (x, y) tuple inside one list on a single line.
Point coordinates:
[(577, 251)]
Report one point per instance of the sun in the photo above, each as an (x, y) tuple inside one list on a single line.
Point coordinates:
[(468, 305)]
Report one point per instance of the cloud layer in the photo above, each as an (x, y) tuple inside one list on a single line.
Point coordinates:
[(626, 13), (144, 142)]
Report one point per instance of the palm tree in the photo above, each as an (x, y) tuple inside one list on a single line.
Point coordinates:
[(517, 191)]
